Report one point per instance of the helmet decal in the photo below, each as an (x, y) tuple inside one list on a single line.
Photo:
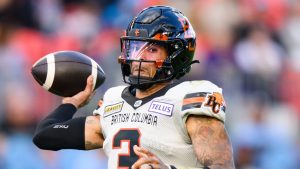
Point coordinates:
[(137, 32), (160, 36), (188, 32)]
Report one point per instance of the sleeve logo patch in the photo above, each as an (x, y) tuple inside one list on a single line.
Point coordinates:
[(193, 100), (114, 108), (161, 108), (216, 102)]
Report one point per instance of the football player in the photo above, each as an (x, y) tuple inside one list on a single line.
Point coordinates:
[(153, 122)]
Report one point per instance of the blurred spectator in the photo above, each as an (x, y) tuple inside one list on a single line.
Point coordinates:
[(269, 12), (265, 137), (260, 61), (214, 23), (289, 88), (18, 126), (80, 21), (12, 62), (19, 13), (117, 15), (291, 34)]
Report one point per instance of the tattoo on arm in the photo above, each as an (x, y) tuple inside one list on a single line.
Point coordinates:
[(93, 134), (211, 143), (90, 145)]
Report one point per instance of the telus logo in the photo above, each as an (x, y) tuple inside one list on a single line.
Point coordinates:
[(161, 108)]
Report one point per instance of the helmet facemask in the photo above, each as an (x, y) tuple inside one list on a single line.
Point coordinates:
[(136, 54)]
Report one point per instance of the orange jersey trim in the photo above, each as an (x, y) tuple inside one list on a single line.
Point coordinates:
[(193, 100)]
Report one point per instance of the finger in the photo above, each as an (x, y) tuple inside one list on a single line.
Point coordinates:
[(155, 166), (143, 150), (138, 152), (89, 84), (140, 162)]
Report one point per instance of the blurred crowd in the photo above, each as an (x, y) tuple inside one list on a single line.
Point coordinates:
[(250, 48)]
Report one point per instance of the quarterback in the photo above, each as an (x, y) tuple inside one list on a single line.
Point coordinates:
[(154, 122)]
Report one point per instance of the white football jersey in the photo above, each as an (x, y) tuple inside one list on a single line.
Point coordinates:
[(156, 122)]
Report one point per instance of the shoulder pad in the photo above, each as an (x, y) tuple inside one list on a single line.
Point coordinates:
[(110, 94), (203, 98), (113, 92)]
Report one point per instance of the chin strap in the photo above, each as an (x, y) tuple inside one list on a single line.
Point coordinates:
[(140, 83)]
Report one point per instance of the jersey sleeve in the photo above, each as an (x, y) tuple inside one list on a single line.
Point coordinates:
[(203, 98)]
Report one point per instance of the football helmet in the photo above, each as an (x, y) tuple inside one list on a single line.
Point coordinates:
[(164, 26)]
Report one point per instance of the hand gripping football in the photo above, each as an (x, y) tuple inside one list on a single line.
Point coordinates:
[(64, 73)]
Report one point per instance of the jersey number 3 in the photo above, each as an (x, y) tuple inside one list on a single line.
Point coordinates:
[(132, 137)]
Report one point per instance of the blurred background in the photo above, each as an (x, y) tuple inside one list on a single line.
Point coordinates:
[(250, 48)]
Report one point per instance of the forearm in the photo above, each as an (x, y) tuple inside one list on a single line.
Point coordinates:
[(214, 152), (62, 113), (211, 142), (59, 131)]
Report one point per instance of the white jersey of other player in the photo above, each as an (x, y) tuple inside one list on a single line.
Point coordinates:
[(156, 122)]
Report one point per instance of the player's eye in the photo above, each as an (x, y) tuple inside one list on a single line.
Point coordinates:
[(152, 49)]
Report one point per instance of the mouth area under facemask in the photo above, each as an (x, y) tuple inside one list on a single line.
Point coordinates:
[(140, 71), (144, 72), (139, 80)]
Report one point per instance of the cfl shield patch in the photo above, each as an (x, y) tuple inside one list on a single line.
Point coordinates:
[(161, 108), (112, 109)]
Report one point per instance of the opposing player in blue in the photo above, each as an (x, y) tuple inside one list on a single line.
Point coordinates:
[(153, 122)]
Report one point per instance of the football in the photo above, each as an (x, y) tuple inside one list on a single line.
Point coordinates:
[(64, 73)]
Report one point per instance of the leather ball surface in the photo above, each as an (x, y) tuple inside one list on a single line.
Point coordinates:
[(64, 73)]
